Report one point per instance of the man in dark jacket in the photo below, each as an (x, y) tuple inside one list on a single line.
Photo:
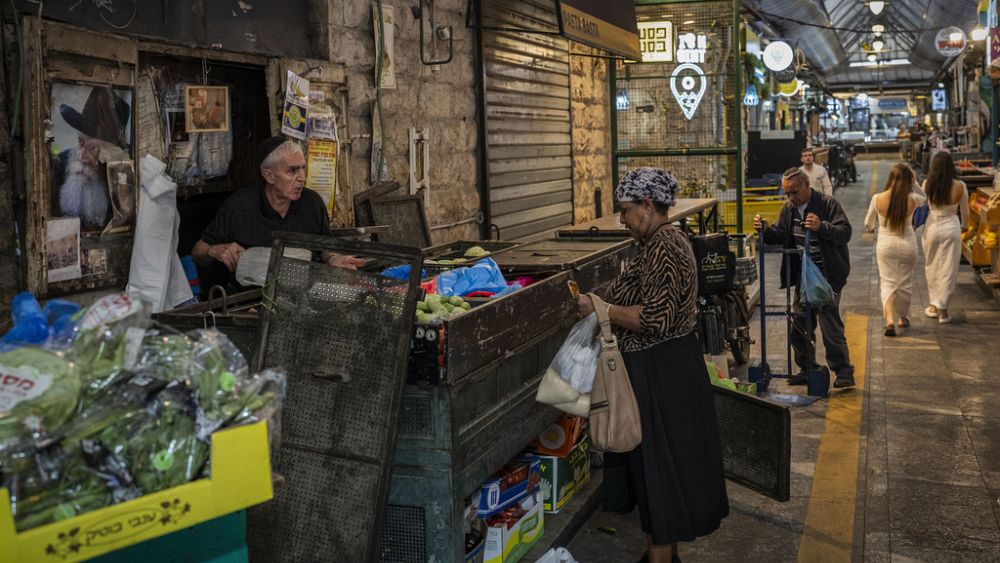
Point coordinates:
[(820, 217)]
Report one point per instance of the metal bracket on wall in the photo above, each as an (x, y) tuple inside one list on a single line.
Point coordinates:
[(438, 32), (420, 166)]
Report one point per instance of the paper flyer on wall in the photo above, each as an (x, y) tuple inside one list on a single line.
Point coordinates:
[(296, 110), (62, 249), (322, 167), (389, 61)]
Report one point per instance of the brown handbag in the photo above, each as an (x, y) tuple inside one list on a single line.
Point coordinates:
[(614, 413)]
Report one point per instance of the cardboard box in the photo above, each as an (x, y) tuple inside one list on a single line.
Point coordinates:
[(563, 476), (560, 436), (498, 493), (508, 545)]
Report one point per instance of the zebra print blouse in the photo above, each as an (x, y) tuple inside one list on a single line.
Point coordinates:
[(663, 281)]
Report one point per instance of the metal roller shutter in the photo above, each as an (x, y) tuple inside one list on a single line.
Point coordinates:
[(529, 144)]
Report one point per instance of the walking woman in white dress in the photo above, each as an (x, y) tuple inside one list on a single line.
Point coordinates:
[(946, 197), (896, 250)]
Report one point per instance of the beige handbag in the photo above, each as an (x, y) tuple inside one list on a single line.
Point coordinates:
[(614, 413)]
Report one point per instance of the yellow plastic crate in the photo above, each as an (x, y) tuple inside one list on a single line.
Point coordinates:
[(767, 206), (241, 477)]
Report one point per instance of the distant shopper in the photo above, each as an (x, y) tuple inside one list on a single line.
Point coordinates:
[(819, 180), (947, 197), (676, 473), (891, 211), (817, 215)]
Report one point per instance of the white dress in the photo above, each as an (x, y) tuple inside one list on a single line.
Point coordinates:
[(943, 248), (896, 254)]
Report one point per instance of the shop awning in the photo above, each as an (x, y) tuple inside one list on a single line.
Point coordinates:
[(606, 25)]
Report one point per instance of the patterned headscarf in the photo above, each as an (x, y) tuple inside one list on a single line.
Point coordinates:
[(653, 183)]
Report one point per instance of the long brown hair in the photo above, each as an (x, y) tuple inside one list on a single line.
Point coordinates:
[(899, 186), (940, 177)]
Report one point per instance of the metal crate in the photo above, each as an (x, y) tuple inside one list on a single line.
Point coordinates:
[(343, 336), (756, 439), (746, 270), (234, 315)]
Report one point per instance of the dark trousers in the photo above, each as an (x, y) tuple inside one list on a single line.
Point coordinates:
[(838, 358)]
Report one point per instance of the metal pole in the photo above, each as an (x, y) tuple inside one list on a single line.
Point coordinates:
[(995, 121), (484, 151), (613, 75), (738, 101)]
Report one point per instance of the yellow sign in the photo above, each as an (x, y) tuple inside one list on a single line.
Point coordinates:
[(322, 166), (789, 88), (241, 477), (656, 41)]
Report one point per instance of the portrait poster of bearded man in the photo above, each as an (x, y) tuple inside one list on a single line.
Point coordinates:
[(90, 125)]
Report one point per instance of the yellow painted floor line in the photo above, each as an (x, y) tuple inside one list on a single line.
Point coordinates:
[(873, 185), (828, 534)]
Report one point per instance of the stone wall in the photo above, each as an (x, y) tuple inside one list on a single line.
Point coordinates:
[(589, 92), (443, 100), (8, 257)]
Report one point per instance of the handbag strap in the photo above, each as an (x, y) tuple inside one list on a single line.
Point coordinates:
[(608, 338)]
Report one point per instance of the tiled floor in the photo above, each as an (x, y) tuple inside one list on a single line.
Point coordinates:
[(927, 483)]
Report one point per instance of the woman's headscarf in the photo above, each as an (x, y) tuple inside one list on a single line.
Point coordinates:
[(653, 183)]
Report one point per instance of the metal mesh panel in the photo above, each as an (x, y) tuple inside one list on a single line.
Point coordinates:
[(342, 336), (404, 537), (698, 176), (417, 418), (756, 442), (405, 219), (653, 118)]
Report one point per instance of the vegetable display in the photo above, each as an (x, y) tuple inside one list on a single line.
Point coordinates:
[(120, 410)]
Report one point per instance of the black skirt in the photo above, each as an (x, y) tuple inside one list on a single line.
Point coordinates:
[(675, 475)]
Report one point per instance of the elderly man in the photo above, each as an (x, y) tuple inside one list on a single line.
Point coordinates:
[(820, 217), (78, 176), (819, 180), (250, 216)]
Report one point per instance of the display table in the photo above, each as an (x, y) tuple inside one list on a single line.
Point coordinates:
[(684, 209)]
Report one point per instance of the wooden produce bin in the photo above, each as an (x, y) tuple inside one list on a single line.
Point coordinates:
[(480, 410), (241, 477), (978, 255)]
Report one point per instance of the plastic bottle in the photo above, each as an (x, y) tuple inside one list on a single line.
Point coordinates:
[(30, 326)]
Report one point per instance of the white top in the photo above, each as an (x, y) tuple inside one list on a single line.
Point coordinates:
[(875, 219), (818, 178), (949, 210)]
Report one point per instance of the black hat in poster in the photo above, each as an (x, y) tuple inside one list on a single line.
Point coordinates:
[(104, 116)]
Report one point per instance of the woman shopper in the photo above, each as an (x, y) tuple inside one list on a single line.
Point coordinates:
[(676, 474), (896, 250), (943, 233)]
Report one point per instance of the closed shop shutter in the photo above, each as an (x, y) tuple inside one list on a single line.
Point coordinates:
[(529, 144)]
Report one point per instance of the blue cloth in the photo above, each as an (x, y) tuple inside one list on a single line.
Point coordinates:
[(484, 275)]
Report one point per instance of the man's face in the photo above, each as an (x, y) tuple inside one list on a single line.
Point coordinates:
[(90, 149), (797, 192), (807, 158), (288, 176)]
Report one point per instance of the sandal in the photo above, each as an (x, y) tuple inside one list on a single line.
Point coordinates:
[(903, 322), (931, 311), (890, 330)]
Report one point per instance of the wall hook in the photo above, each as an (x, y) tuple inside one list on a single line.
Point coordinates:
[(436, 31)]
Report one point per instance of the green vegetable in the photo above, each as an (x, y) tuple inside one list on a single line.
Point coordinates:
[(476, 252), (38, 391), (456, 300)]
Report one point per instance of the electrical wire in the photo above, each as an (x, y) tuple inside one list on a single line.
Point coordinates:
[(379, 62)]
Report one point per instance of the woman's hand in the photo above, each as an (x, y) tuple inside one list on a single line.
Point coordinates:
[(585, 305)]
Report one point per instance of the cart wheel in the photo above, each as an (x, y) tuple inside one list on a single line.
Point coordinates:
[(738, 319)]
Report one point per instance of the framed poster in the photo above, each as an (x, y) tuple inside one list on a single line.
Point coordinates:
[(206, 109)]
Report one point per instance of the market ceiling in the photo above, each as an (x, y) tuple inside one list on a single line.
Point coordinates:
[(836, 37)]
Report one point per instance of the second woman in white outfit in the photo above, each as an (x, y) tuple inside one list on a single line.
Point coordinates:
[(896, 250), (947, 197)]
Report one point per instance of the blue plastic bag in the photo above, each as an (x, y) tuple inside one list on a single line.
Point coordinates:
[(401, 272), (813, 287), (920, 215), (484, 275)]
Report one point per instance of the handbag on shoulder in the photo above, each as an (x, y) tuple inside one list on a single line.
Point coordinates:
[(614, 413)]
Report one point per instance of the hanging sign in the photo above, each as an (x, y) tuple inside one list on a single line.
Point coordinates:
[(778, 56), (751, 98), (788, 88), (939, 100), (692, 84), (950, 41), (656, 41)]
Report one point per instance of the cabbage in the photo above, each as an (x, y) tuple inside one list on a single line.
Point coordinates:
[(38, 392)]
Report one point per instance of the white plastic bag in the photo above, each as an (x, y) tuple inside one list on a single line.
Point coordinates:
[(567, 382)]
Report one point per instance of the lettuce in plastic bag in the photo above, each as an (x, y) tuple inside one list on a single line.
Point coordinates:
[(105, 332), (39, 391)]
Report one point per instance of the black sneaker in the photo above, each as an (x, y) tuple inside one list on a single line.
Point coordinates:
[(843, 382)]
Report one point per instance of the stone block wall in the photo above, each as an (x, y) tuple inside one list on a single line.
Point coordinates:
[(443, 100), (591, 115)]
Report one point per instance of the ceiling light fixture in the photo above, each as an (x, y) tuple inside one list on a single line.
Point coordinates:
[(876, 6), (940, 84), (688, 22), (878, 29), (878, 44), (872, 57), (979, 33)]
